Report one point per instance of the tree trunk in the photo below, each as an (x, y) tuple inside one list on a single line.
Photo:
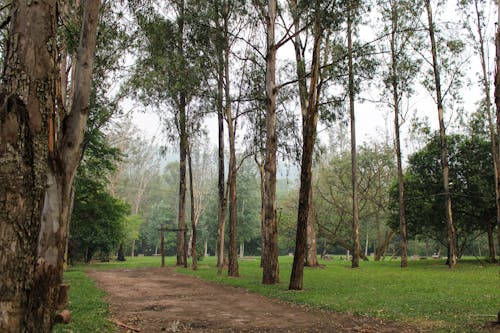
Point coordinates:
[(487, 95), (242, 249), (354, 159), (121, 254), (270, 274), (54, 155), (132, 251), (444, 149), (312, 249), (220, 120), (194, 259), (497, 104), (181, 223), (231, 182), (382, 247), (262, 212), (27, 100), (305, 193), (491, 244), (397, 140)]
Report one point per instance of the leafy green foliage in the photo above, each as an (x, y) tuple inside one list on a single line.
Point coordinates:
[(472, 190), (98, 219)]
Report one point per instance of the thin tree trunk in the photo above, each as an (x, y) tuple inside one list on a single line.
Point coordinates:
[(491, 244), (354, 159), (221, 179), (444, 150), (487, 95), (132, 252), (270, 274), (194, 259), (181, 222), (231, 183), (397, 139), (262, 212)]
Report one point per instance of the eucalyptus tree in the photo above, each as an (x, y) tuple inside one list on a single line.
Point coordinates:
[(168, 73), (444, 66), (497, 92), (44, 178), (476, 23), (309, 110), (401, 69)]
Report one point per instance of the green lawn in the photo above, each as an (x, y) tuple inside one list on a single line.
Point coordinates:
[(426, 294)]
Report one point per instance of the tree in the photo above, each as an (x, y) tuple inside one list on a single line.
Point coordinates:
[(472, 189), (48, 161), (309, 136), (476, 27), (169, 74), (452, 256), (402, 68)]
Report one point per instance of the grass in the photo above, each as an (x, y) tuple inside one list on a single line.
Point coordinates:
[(427, 294), (88, 309)]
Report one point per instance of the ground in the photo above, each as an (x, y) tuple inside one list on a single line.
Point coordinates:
[(160, 300)]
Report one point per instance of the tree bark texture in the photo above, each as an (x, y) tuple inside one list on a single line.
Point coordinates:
[(311, 250), (497, 104), (54, 154), (305, 193), (452, 259), (181, 217), (270, 274), (354, 158), (397, 139)]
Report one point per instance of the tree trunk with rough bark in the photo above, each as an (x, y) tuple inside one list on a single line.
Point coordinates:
[(305, 193), (270, 274), (452, 258), (181, 217), (497, 104), (354, 158), (49, 155), (311, 250)]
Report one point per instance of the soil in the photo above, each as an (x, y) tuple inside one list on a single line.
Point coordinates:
[(160, 300)]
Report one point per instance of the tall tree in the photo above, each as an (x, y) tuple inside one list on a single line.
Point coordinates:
[(270, 274), (452, 256), (351, 12), (497, 94), (53, 155), (401, 70), (309, 137), (475, 21)]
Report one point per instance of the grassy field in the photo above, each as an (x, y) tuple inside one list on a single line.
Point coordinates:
[(426, 294)]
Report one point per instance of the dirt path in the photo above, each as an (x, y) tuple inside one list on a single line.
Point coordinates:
[(159, 300)]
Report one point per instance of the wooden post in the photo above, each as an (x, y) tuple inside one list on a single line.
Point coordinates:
[(162, 245)]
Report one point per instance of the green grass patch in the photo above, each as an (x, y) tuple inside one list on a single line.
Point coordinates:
[(88, 309), (425, 294)]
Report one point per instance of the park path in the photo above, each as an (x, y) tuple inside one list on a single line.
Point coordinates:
[(160, 300)]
